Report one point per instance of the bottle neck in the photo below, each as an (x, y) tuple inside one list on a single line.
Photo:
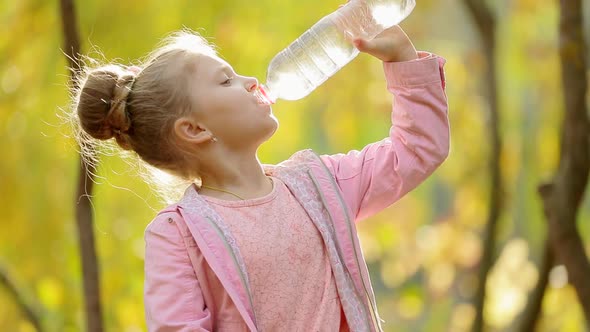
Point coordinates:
[(264, 95)]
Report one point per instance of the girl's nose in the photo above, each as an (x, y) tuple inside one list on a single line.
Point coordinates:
[(251, 84)]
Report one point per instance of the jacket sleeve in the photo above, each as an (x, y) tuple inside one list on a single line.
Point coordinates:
[(172, 295), (418, 142)]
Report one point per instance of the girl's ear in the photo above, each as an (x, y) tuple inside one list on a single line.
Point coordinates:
[(188, 130)]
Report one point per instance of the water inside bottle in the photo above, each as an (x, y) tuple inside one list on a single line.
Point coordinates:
[(327, 46), (309, 61)]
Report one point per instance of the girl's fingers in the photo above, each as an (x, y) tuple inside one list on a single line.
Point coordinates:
[(390, 45), (373, 47), (362, 45)]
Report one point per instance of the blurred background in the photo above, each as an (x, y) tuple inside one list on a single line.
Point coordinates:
[(425, 252)]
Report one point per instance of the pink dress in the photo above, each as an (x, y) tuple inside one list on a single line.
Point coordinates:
[(293, 288)]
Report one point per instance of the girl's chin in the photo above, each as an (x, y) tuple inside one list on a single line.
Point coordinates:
[(272, 130)]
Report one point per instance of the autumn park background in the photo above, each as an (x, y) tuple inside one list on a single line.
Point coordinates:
[(496, 240)]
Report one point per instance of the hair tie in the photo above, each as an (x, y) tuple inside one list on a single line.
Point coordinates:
[(134, 69), (118, 116)]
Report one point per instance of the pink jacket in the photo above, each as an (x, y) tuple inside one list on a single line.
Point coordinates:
[(189, 237)]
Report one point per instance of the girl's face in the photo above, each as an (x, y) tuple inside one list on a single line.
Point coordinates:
[(225, 103)]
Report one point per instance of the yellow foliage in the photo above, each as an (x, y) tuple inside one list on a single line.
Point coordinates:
[(421, 251), (50, 292)]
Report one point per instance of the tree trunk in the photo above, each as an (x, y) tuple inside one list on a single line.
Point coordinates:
[(30, 310), (486, 26), (84, 217), (562, 197), (532, 311)]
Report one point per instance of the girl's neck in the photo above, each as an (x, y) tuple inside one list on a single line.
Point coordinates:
[(243, 177)]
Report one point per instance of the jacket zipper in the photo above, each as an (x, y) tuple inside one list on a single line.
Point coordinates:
[(235, 260), (372, 303), (315, 182)]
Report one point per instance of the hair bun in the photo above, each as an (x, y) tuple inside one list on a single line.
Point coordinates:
[(102, 104)]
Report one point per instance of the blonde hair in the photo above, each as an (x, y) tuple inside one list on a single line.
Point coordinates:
[(137, 105)]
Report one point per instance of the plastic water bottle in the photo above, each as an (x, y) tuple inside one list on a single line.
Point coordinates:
[(327, 47)]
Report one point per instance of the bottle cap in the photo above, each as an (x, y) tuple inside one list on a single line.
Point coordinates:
[(261, 93)]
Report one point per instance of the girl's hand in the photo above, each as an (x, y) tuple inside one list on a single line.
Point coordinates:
[(391, 45)]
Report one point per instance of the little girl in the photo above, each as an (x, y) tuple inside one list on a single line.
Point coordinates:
[(253, 247)]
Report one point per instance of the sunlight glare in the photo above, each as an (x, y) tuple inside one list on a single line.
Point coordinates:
[(503, 305), (289, 85), (558, 277), (382, 13)]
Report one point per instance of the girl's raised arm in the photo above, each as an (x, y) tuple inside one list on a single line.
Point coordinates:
[(418, 142)]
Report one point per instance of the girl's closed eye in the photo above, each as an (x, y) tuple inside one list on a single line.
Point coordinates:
[(227, 81)]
